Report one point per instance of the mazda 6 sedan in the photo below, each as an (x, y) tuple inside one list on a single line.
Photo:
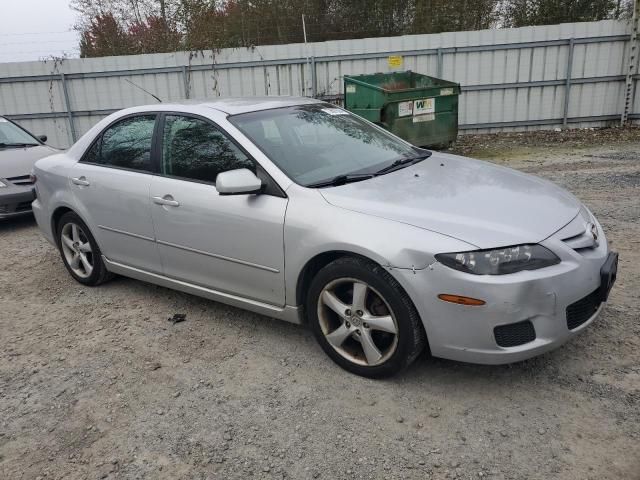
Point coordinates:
[(299, 210)]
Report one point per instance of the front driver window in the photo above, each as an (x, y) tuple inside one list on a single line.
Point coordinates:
[(195, 149), (127, 144)]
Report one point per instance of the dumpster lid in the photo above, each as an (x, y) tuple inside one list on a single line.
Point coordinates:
[(397, 82)]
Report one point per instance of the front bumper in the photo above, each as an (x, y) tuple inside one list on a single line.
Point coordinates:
[(15, 200), (541, 297)]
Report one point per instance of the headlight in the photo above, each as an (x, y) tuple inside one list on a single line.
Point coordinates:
[(500, 261), (2, 184)]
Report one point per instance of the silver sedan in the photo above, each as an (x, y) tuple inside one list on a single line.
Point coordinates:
[(19, 151), (297, 209)]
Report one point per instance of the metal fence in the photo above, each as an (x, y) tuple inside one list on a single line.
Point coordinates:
[(512, 79)]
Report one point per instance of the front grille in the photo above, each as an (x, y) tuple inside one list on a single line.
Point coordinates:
[(515, 334), (22, 180), (582, 310)]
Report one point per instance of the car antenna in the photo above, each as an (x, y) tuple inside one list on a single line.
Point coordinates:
[(146, 91)]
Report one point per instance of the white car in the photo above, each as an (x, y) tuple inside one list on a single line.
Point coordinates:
[(299, 210)]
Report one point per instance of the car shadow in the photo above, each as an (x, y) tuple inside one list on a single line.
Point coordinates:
[(438, 373), (441, 373), (17, 223)]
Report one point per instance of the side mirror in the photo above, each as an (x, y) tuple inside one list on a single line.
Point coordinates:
[(238, 182), (42, 138)]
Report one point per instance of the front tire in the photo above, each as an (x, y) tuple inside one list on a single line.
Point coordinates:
[(80, 252), (363, 319)]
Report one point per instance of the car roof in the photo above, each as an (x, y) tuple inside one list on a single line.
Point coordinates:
[(231, 105)]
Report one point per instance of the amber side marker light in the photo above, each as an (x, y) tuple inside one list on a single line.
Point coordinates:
[(460, 300)]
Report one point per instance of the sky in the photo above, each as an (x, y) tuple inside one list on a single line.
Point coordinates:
[(36, 29)]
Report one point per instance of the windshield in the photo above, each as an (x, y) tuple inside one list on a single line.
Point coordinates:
[(315, 143), (11, 134)]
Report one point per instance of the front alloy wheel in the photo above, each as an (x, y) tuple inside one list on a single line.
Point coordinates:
[(357, 322), (363, 319)]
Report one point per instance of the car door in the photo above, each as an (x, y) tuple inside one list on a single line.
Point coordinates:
[(233, 243), (111, 186)]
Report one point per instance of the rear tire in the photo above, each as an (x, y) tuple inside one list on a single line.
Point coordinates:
[(80, 252), (363, 319)]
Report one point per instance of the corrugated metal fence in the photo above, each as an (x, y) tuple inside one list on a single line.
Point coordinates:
[(524, 78)]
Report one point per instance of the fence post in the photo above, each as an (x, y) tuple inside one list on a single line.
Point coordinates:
[(567, 88), (314, 78), (67, 103), (185, 81), (629, 93), (439, 65)]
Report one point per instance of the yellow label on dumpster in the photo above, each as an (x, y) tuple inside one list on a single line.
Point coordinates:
[(395, 61)]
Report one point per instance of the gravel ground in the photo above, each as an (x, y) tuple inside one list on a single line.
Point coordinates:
[(96, 383)]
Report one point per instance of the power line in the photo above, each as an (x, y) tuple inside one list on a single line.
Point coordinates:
[(36, 33), (38, 41), (23, 52)]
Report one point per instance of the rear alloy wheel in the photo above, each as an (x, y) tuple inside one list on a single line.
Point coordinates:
[(363, 319), (77, 250), (80, 252)]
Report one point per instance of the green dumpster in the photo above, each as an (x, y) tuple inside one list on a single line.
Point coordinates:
[(420, 109)]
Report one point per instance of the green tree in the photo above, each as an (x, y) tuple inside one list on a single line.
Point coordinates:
[(435, 16), (520, 13)]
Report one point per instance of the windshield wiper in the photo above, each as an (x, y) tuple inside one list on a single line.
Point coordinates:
[(17, 145), (403, 162), (358, 177), (342, 179)]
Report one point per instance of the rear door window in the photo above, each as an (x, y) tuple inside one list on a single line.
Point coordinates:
[(126, 144)]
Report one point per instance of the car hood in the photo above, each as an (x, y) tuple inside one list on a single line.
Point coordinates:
[(477, 202), (15, 162)]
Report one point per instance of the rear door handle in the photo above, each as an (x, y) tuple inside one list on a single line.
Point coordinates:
[(166, 200), (82, 181)]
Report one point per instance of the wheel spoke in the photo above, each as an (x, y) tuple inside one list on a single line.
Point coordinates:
[(75, 261), (85, 248), (67, 241), (359, 296), (331, 301), (385, 324), (85, 263), (370, 350), (74, 233), (339, 335)]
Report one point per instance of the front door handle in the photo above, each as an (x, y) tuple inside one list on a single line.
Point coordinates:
[(82, 181), (166, 200)]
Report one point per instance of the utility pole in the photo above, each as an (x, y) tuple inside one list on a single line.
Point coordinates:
[(304, 29), (306, 48), (632, 60)]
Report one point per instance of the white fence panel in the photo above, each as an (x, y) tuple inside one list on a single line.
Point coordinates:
[(511, 78)]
